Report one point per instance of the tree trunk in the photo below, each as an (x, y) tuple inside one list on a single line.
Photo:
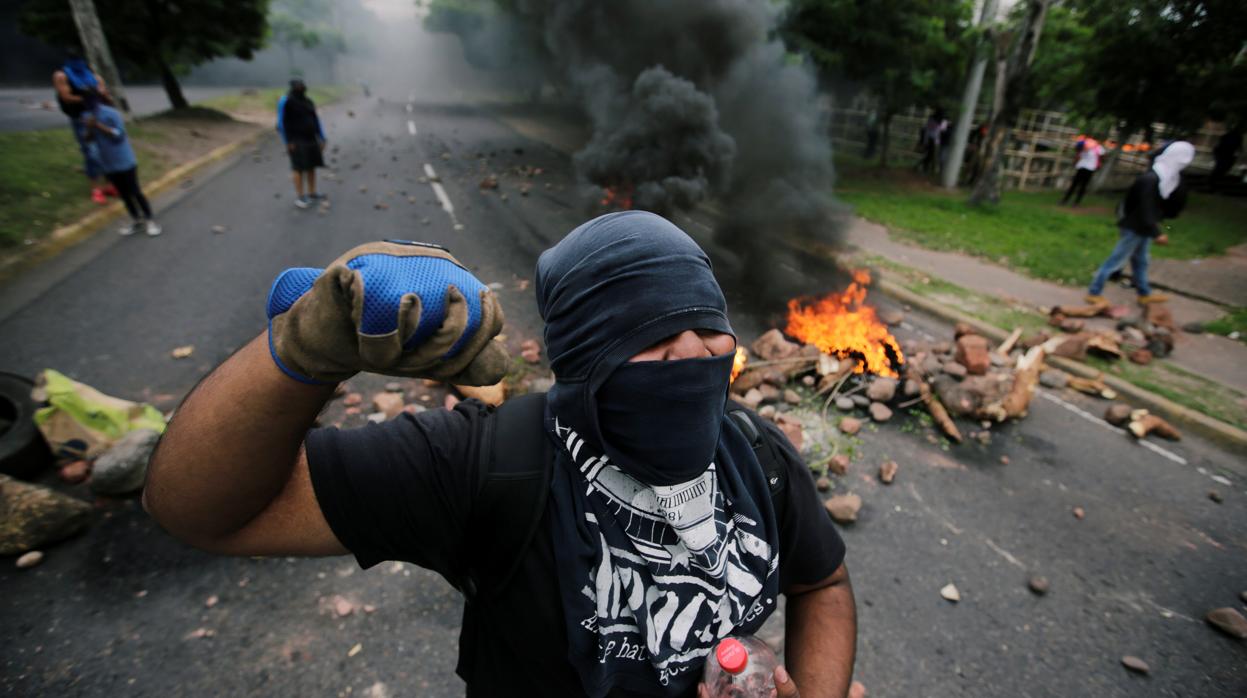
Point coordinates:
[(172, 87), (1017, 74), (1106, 169), (969, 101), (887, 139)]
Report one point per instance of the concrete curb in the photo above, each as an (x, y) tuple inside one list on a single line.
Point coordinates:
[(1212, 429), (67, 236)]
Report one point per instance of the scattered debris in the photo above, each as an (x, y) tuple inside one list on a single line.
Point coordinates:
[(887, 472), (844, 507), (489, 182), (75, 472), (1142, 357), (356, 649), (850, 425), (1038, 585), (1227, 620), (1053, 378), (972, 352), (212, 601), (530, 351), (29, 559), (950, 593), (218, 229), (1135, 664), (388, 404), (823, 483), (342, 607), (1093, 386), (1079, 513), (199, 634), (182, 352), (1143, 423), (1215, 496), (881, 389)]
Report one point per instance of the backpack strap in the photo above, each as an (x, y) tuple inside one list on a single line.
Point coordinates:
[(768, 455), (515, 466)]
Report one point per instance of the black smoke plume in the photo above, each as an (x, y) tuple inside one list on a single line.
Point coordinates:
[(689, 102)]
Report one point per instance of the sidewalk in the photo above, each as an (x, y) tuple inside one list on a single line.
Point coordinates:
[(1217, 358), (1221, 279)]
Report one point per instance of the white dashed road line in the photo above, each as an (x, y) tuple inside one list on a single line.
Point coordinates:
[(440, 191), (411, 127), (1096, 420)]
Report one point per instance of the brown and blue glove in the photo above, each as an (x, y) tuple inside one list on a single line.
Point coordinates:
[(398, 308)]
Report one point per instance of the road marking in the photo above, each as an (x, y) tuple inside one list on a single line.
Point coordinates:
[(1096, 420), (409, 107), (411, 127), (440, 191)]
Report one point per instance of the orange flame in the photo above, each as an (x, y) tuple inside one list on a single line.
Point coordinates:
[(617, 196), (839, 324), (738, 364)]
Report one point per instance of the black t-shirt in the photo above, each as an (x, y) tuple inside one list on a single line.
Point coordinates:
[(404, 490)]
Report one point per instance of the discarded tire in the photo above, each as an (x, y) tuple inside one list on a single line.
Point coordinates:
[(23, 452)]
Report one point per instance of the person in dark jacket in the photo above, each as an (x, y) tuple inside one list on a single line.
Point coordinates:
[(1155, 195), (300, 129)]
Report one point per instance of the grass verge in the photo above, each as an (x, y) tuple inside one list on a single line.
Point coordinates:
[(42, 186), (1160, 377), (1028, 231), (1232, 324)]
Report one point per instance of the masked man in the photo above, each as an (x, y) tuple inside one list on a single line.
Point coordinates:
[(660, 531)]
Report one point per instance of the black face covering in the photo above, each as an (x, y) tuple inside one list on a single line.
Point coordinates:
[(660, 420)]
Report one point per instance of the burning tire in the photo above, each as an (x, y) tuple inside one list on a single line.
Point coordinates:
[(23, 452)]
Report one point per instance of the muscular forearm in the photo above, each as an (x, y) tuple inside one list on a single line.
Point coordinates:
[(820, 638), (231, 447)]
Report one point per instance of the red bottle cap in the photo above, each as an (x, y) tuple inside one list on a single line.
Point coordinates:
[(732, 655)]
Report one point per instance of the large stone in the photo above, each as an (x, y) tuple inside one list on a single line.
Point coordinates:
[(772, 346), (792, 397), (891, 317), (1053, 378), (973, 353), (1135, 664), (839, 464), (1229, 621), (1118, 414), (32, 516), (955, 369), (850, 425), (770, 393), (752, 399), (881, 389), (911, 388), (844, 507), (845, 404), (880, 412), (1142, 357), (122, 468), (860, 400)]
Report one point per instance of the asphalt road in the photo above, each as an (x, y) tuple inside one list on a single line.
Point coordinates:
[(29, 108), (111, 611)]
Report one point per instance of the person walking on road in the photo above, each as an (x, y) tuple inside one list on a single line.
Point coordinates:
[(606, 534), (78, 90), (1155, 195), (107, 129), (1088, 152), (300, 130)]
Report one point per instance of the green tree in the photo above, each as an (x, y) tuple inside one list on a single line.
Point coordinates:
[(288, 32), (159, 37), (313, 25), (904, 52)]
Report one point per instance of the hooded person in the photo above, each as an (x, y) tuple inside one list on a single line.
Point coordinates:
[(301, 131), (78, 91), (1155, 195), (660, 534)]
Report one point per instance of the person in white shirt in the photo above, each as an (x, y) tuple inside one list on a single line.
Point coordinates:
[(1088, 153)]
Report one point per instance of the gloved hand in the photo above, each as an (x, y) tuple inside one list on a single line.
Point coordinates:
[(394, 307)]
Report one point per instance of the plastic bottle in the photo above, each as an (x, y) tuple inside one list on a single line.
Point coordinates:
[(740, 667)]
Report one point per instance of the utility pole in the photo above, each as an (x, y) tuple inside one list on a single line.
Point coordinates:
[(970, 99), (96, 47)]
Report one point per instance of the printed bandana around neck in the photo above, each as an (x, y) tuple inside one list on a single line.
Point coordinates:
[(652, 577)]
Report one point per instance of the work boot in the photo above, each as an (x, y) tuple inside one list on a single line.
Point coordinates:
[(1093, 299), (1153, 298)]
